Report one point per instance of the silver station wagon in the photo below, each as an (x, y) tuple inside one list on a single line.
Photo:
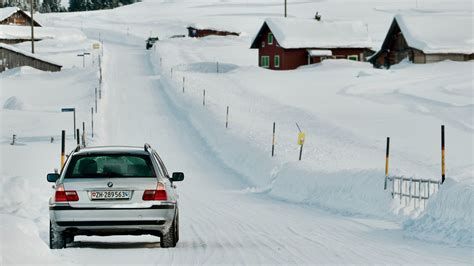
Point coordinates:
[(114, 191)]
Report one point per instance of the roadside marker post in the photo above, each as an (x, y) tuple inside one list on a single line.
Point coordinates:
[(204, 97), (273, 140), (74, 112), (78, 138), (386, 163), (63, 147), (95, 99), (184, 79), (227, 118), (301, 139), (443, 166), (13, 140), (217, 66), (83, 134)]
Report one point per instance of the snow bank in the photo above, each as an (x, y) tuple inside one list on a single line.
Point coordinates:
[(24, 245), (448, 217)]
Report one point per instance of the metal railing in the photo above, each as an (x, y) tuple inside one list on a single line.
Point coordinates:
[(413, 191)]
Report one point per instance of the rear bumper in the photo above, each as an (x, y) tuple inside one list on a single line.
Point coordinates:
[(155, 219)]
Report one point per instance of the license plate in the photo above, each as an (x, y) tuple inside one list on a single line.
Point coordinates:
[(114, 195)]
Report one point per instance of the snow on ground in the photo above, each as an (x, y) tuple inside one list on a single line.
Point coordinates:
[(330, 207)]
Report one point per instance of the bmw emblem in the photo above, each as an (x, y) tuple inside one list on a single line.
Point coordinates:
[(110, 184)]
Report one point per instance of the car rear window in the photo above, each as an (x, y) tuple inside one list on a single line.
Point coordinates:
[(110, 165)]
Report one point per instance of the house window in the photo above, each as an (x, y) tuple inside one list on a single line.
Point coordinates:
[(270, 38), (276, 61), (263, 44), (265, 61), (353, 57)]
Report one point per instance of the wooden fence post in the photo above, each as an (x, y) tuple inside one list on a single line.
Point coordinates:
[(443, 167), (204, 97), (63, 147), (386, 162), (273, 140)]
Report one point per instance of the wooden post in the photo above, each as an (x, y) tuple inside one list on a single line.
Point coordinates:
[(204, 97), (32, 27), (74, 130), (227, 118), (443, 167), (400, 189), (13, 139), (300, 140), (217, 66), (83, 134), (285, 9), (63, 147), (386, 162), (183, 83), (78, 139), (273, 140), (92, 121), (95, 99), (301, 151)]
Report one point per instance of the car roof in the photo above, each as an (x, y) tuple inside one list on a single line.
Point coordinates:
[(112, 150)]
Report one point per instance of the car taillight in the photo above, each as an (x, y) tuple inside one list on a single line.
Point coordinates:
[(158, 194), (62, 195)]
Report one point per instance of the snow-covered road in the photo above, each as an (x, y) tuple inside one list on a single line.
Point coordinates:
[(222, 220)]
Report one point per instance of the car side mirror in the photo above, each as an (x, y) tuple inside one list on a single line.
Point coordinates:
[(177, 176), (52, 177)]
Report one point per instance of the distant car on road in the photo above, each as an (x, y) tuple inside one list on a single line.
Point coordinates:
[(114, 191), (151, 41)]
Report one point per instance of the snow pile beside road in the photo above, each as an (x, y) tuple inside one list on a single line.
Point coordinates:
[(24, 245), (448, 217)]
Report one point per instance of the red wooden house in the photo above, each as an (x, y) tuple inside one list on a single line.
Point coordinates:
[(287, 43)]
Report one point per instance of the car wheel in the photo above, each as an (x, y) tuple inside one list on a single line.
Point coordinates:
[(56, 238), (69, 239), (176, 237), (168, 239)]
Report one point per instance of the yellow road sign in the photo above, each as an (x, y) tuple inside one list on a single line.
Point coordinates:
[(301, 137), (95, 46)]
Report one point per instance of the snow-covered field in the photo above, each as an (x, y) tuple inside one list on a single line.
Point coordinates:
[(238, 204)]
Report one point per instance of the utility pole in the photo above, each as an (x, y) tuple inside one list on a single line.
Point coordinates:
[(32, 28), (285, 9)]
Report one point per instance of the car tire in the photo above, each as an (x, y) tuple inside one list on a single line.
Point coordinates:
[(69, 239), (56, 238), (176, 232), (168, 239)]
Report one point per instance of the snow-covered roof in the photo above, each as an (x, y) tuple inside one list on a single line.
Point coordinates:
[(8, 11), (438, 32), (313, 52), (23, 52), (292, 33)]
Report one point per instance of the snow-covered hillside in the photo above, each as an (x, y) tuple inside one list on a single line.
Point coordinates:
[(238, 204)]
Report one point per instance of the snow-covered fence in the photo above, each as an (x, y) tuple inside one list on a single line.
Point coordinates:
[(413, 191)]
